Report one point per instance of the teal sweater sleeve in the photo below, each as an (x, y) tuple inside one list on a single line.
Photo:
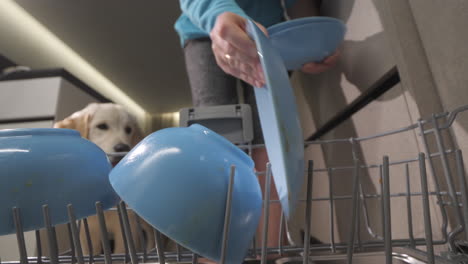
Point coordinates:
[(203, 13)]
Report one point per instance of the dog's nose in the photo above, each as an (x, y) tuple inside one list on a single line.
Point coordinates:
[(121, 147)]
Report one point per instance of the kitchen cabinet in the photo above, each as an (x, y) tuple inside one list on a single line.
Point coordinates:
[(40, 97)]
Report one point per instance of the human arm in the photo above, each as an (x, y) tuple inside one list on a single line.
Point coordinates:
[(203, 13), (226, 23), (304, 8)]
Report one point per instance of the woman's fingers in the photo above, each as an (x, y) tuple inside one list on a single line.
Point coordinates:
[(319, 67), (235, 52)]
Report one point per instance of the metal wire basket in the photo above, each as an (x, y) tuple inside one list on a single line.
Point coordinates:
[(378, 245)]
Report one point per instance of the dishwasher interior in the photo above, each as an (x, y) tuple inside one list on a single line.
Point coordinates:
[(449, 190)]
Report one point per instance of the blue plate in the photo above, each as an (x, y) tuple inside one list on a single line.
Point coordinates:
[(309, 39), (280, 122)]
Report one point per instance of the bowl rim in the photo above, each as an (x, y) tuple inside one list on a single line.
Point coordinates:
[(38, 132), (293, 23), (225, 142), (290, 59)]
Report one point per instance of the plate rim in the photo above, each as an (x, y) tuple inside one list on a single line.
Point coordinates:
[(253, 30)]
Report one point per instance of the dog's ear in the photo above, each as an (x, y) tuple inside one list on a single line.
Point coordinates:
[(76, 122), (137, 135), (79, 120)]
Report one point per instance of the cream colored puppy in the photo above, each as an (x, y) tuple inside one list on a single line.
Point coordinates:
[(113, 129), (107, 125)]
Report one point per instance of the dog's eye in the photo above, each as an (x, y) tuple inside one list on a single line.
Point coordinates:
[(103, 126), (128, 130)]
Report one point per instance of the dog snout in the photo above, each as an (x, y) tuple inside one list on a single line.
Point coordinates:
[(121, 147)]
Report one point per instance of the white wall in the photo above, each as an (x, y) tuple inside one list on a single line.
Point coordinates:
[(27, 42), (442, 26)]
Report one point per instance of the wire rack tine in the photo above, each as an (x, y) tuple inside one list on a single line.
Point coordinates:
[(382, 198), (70, 243), (365, 212), (409, 213), (227, 215), (103, 230), (254, 246), (75, 234), (426, 210), (38, 246), (449, 180), (352, 231), (253, 250), (331, 206), (355, 201), (358, 215), (128, 233), (280, 235), (461, 175), (266, 214), (387, 211), (20, 235), (178, 249), (122, 231), (194, 258), (436, 181), (142, 238), (53, 251), (356, 194), (159, 247), (308, 212), (89, 242), (55, 243)]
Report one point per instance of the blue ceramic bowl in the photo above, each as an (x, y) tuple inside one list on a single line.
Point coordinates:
[(177, 180), (309, 39), (50, 166)]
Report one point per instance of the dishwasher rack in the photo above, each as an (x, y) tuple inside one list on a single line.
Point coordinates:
[(452, 203)]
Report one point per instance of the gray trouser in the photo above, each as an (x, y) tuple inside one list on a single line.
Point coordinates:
[(210, 85)]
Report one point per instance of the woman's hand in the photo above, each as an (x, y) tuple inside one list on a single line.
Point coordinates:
[(319, 67), (236, 54), (234, 50)]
